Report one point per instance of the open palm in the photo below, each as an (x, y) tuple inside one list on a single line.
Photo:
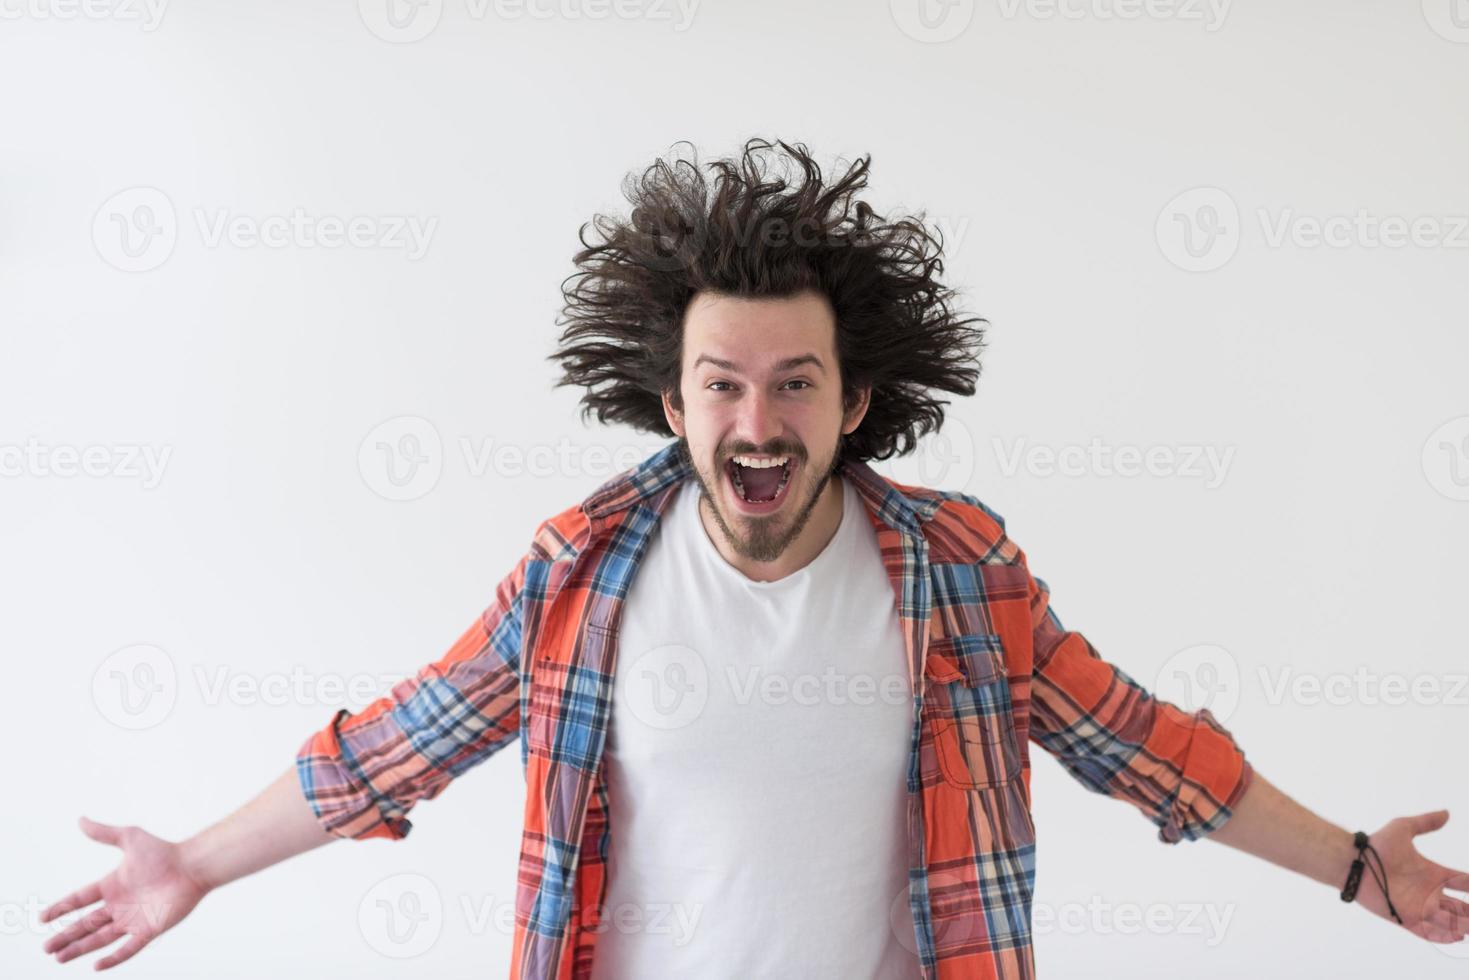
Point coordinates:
[(147, 894), (1418, 886)]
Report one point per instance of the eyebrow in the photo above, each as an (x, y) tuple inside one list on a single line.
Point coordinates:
[(785, 365)]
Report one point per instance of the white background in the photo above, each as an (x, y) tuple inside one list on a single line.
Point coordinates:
[(1050, 145)]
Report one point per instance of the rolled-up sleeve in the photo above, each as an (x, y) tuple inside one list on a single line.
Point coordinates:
[(363, 772), (1182, 769)]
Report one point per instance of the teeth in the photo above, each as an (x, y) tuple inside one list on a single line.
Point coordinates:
[(757, 463)]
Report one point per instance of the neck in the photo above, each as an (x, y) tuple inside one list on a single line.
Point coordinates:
[(825, 517)]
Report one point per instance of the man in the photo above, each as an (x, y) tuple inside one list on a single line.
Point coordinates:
[(757, 687)]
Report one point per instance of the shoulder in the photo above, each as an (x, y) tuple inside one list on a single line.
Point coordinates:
[(959, 527), (568, 535)]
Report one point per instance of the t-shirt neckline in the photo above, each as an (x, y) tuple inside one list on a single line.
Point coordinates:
[(693, 494)]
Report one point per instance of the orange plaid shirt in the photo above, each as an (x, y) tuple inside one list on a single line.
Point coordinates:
[(992, 669)]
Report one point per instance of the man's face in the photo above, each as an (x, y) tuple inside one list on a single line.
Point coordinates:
[(762, 413)]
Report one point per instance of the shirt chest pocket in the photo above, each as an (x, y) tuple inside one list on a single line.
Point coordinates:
[(967, 707)]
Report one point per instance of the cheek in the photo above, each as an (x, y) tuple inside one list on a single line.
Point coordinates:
[(706, 425), (702, 438), (818, 426)]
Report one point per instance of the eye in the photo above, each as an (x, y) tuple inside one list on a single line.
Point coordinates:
[(798, 381), (728, 387)]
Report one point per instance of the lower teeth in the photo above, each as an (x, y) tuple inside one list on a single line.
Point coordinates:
[(785, 477)]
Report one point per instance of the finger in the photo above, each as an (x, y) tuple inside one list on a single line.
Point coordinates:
[(84, 926), (101, 832), (107, 934), (1455, 906), (78, 899), (1425, 822), (122, 953), (1457, 880)]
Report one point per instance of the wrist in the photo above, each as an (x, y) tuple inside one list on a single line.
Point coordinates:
[(195, 862), (1368, 871), (1336, 857)]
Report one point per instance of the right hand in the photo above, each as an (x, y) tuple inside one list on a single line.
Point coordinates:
[(147, 894)]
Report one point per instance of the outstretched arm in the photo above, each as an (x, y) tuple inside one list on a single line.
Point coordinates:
[(1184, 770), (158, 882), (1271, 825), (273, 826), (356, 778)]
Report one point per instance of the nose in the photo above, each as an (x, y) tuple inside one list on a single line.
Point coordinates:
[(758, 420)]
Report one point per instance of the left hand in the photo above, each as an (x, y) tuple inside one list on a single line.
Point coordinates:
[(1415, 884)]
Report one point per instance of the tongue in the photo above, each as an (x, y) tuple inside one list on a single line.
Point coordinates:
[(760, 484)]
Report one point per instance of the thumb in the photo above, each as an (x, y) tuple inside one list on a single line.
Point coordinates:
[(101, 832), (1425, 822)]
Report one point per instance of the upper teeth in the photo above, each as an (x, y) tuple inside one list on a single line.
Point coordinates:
[(758, 463)]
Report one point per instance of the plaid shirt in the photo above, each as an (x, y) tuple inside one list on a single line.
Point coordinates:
[(992, 668)]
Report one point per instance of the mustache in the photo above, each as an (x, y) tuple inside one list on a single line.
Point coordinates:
[(777, 447)]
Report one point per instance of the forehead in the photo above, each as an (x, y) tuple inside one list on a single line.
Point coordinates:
[(759, 333)]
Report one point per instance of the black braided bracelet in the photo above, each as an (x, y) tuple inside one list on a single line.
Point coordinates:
[(1354, 877)]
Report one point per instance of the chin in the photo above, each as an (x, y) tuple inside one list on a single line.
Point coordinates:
[(763, 529)]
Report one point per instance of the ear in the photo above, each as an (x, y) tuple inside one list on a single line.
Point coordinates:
[(856, 410), (673, 415)]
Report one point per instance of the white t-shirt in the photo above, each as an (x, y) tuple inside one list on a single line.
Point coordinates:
[(757, 765)]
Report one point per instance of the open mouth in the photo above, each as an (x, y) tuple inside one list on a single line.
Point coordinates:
[(760, 481)]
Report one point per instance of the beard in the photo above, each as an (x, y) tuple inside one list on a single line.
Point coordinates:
[(764, 538)]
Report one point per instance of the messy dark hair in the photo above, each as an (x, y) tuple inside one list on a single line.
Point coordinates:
[(753, 233)]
